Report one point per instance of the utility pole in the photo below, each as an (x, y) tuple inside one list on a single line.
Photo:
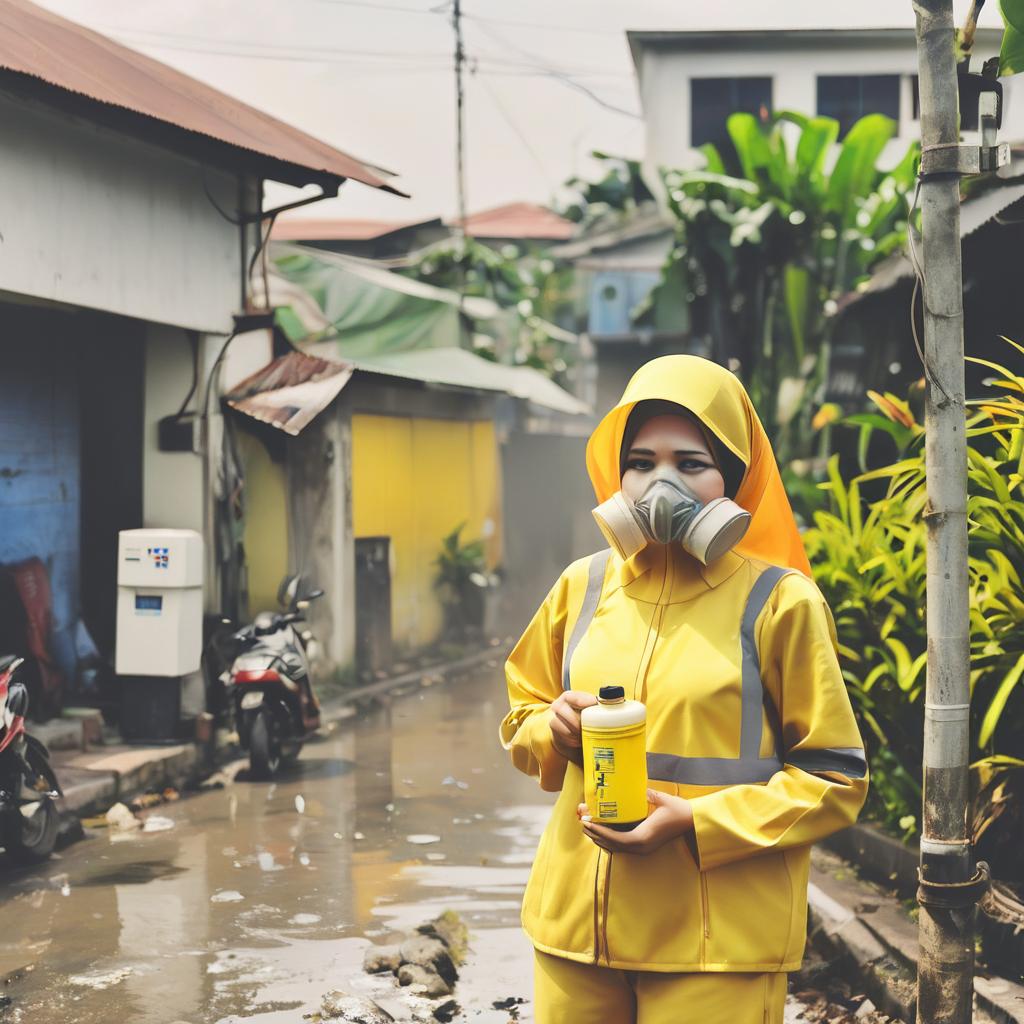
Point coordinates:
[(460, 153), (949, 885), (460, 133)]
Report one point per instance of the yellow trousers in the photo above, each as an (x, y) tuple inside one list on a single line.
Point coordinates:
[(567, 992)]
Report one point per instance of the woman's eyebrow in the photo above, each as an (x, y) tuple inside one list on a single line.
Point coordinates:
[(684, 451)]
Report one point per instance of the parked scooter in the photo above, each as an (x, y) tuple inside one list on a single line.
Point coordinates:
[(29, 817), (269, 683)]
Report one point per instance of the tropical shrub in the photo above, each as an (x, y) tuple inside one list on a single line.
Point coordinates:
[(763, 257), (869, 560)]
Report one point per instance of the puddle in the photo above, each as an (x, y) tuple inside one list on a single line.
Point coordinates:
[(262, 897)]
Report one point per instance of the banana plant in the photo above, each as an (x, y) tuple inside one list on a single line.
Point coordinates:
[(763, 256)]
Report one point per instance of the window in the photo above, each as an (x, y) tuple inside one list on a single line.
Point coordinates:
[(848, 98), (712, 100)]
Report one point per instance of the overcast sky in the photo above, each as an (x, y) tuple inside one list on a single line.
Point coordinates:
[(549, 81)]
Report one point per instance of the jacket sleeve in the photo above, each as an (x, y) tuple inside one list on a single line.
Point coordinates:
[(823, 782), (534, 676)]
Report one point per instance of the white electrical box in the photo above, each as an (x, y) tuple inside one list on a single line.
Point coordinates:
[(159, 602)]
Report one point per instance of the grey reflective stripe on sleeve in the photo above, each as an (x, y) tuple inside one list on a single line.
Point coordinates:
[(848, 761), (710, 771), (749, 766), (595, 583)]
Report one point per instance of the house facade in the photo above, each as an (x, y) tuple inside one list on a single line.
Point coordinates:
[(690, 82), (131, 207)]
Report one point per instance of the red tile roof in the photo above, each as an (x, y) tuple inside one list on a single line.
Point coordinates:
[(519, 220)]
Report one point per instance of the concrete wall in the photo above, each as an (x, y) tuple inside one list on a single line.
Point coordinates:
[(172, 481), (93, 219), (793, 64)]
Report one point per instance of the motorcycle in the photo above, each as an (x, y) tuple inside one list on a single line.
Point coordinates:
[(29, 817), (270, 687)]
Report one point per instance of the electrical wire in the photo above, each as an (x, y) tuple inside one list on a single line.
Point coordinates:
[(559, 75), (517, 131), (237, 221)]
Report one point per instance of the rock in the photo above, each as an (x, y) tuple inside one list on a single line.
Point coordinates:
[(432, 982), (338, 1005), (450, 929), (378, 959), (446, 1011), (424, 951)]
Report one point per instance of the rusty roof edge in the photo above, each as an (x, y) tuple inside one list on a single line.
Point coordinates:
[(48, 92)]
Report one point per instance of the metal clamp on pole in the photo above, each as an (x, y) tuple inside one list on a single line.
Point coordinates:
[(955, 158), (954, 895)]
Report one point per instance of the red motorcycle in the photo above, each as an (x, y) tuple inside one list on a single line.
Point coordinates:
[(29, 817)]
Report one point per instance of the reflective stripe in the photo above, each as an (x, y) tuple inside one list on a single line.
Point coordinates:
[(710, 771), (848, 761), (753, 688), (595, 582), (749, 766)]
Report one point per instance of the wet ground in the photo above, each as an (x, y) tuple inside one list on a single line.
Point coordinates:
[(261, 897)]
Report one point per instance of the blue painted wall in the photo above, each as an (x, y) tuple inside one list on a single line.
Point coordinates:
[(40, 464)]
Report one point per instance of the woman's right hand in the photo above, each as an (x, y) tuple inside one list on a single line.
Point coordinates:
[(566, 733)]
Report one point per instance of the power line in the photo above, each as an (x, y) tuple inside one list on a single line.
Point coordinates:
[(560, 75), (268, 51), (519, 133), (442, 8)]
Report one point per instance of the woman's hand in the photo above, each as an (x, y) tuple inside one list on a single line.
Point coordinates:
[(566, 734), (669, 818)]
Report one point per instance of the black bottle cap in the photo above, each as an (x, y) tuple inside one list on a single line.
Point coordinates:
[(611, 693)]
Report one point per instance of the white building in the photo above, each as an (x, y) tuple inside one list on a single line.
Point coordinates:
[(130, 209), (690, 81)]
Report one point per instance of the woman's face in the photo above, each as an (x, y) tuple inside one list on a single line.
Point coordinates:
[(678, 443)]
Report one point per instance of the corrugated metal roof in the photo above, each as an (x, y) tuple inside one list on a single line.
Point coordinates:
[(37, 43), (519, 220), (290, 392), (458, 367)]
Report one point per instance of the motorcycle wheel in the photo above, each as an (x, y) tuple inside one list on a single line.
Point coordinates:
[(264, 746), (30, 839)]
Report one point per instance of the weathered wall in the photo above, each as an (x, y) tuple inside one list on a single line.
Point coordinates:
[(414, 480), (93, 219)]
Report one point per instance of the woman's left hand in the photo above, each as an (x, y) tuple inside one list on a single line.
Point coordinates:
[(669, 818)]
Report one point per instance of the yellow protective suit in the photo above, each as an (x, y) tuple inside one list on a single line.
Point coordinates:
[(747, 717)]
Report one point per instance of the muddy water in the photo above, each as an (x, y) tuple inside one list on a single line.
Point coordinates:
[(264, 896)]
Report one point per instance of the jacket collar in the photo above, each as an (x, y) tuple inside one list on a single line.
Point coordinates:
[(666, 574)]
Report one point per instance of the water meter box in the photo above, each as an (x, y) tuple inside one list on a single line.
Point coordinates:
[(159, 603)]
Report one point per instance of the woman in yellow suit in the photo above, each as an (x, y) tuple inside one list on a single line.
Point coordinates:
[(696, 915)]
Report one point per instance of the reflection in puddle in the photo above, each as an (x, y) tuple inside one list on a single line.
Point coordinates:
[(263, 897)]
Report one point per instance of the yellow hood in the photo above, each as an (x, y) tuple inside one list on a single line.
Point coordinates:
[(717, 398)]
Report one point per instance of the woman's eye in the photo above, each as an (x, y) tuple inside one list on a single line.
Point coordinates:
[(692, 465), (641, 465)]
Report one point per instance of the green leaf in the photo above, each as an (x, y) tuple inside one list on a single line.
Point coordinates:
[(855, 170), (1002, 695), (797, 286), (1011, 53)]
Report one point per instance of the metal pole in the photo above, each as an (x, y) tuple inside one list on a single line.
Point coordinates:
[(460, 142), (946, 924)]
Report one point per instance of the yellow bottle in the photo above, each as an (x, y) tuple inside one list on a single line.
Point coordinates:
[(615, 759)]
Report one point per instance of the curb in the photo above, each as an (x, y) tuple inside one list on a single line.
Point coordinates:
[(874, 939)]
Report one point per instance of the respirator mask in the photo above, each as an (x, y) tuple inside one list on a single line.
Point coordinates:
[(669, 512)]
